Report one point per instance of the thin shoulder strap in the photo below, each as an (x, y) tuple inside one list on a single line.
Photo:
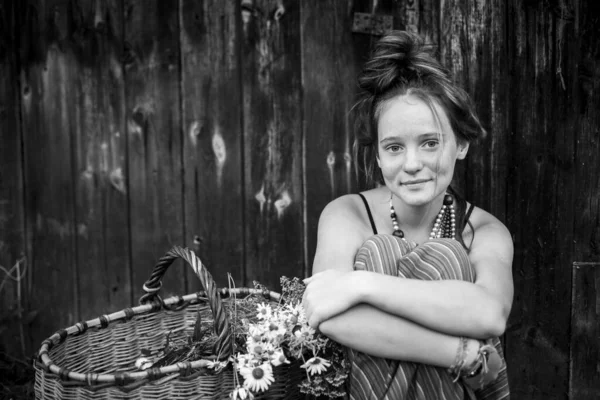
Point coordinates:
[(468, 214), (369, 213), (467, 222)]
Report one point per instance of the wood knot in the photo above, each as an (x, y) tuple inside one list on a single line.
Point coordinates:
[(330, 159), (282, 203), (279, 12)]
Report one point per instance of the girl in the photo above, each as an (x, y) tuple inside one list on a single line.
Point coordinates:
[(414, 280)]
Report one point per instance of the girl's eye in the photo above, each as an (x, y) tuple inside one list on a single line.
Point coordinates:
[(431, 143), (393, 148)]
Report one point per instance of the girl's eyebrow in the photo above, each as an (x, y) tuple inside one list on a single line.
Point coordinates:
[(425, 135)]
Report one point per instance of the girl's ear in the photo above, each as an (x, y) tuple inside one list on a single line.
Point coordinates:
[(463, 149), (378, 160)]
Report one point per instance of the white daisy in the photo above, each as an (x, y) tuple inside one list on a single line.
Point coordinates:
[(256, 332), (294, 308), (258, 378), (242, 360), (292, 319), (278, 358), (305, 332), (264, 311), (316, 365), (296, 314), (258, 348), (276, 332)]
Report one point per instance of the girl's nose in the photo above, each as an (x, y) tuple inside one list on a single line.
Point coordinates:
[(412, 162)]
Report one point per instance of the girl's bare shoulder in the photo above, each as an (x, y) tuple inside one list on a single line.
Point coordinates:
[(343, 210), (350, 208), (482, 220), (347, 214)]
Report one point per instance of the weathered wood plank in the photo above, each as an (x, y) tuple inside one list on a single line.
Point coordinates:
[(99, 157), (48, 66), (271, 82), (13, 292), (330, 65), (474, 49), (540, 204), (583, 84), (422, 17), (154, 138), (484, 78), (493, 195), (212, 120), (585, 332), (586, 95), (454, 54)]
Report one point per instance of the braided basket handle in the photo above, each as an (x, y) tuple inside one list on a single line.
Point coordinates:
[(224, 345)]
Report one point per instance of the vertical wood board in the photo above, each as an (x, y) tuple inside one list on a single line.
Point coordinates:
[(272, 141), (14, 290), (99, 157), (212, 136), (454, 55), (497, 124), (486, 166), (585, 332), (422, 17), (152, 78), (330, 53), (539, 208), (48, 126), (585, 85)]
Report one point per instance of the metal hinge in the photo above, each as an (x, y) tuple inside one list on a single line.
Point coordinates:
[(372, 24)]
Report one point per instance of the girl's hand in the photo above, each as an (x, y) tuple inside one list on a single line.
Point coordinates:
[(329, 293)]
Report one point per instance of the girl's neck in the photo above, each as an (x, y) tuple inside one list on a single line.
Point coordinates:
[(418, 217)]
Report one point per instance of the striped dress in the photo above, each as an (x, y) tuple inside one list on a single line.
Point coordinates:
[(383, 379)]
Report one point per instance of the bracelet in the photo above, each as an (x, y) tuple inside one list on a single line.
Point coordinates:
[(461, 358)]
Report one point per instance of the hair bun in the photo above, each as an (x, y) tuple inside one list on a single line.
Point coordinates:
[(398, 57)]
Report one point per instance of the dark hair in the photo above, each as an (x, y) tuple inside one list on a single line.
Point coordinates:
[(401, 63)]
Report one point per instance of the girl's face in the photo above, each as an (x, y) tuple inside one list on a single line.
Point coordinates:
[(416, 151)]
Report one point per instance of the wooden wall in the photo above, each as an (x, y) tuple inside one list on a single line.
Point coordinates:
[(129, 126)]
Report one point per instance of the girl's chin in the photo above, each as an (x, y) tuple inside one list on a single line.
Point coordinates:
[(415, 197)]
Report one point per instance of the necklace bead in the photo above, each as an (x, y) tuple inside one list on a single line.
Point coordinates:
[(444, 225)]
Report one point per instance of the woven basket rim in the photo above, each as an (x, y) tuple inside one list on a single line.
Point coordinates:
[(125, 315)]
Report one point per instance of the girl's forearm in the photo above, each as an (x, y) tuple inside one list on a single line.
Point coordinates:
[(454, 307), (377, 333)]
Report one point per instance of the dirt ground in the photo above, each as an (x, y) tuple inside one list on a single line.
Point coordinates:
[(17, 377)]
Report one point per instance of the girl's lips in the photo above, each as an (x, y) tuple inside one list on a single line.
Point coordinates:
[(414, 182)]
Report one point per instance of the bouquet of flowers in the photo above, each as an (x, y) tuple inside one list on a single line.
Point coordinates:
[(279, 335)]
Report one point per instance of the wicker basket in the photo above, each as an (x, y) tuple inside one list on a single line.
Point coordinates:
[(95, 359)]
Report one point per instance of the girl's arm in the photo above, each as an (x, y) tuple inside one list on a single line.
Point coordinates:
[(394, 337), (458, 308)]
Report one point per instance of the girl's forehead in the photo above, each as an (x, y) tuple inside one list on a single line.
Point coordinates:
[(410, 115), (412, 107)]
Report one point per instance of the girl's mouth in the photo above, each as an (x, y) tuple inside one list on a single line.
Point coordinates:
[(414, 182)]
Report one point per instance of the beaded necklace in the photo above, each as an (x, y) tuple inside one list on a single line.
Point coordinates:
[(443, 227)]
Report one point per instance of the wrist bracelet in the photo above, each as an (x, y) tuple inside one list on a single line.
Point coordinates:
[(461, 358)]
